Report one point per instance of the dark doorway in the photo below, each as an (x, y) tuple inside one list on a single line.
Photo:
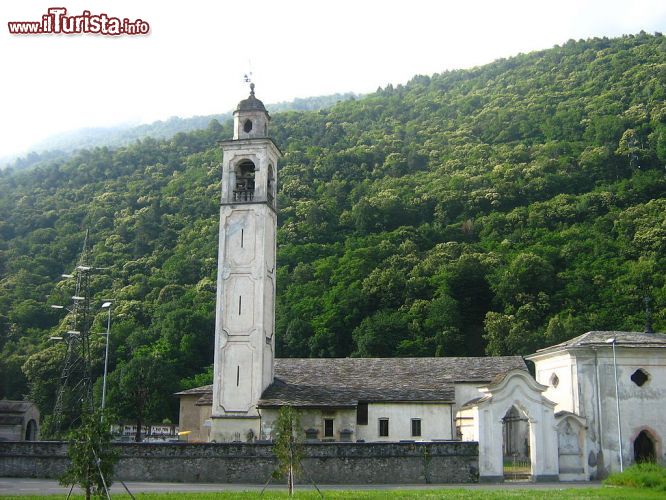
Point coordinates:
[(644, 449), (31, 431), (328, 427)]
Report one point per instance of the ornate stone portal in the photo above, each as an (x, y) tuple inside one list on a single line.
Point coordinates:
[(245, 316)]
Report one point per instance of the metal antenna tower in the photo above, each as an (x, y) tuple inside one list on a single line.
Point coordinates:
[(75, 390)]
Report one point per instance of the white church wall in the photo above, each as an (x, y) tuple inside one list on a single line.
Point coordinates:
[(559, 374), (344, 419), (641, 407), (466, 391), (436, 421), (467, 424), (590, 392), (581, 387), (229, 430), (593, 371)]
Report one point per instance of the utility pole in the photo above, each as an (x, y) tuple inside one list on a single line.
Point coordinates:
[(107, 305), (74, 395)]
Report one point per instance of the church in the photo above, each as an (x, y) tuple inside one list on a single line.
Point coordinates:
[(593, 405)]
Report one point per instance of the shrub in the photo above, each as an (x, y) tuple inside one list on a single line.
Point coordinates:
[(643, 475)]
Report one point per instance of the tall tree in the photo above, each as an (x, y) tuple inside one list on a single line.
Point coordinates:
[(137, 389)]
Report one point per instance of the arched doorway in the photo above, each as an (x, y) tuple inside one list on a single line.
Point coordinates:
[(516, 445), (31, 431), (644, 448)]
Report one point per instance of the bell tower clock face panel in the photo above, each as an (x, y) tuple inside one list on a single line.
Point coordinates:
[(239, 305), (241, 236), (237, 376)]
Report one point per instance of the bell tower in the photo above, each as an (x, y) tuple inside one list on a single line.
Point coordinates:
[(245, 310)]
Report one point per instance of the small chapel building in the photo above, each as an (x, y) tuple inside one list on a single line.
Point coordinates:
[(594, 405), (19, 421)]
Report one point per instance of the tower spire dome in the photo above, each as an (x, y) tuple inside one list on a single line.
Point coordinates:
[(251, 118), (251, 103)]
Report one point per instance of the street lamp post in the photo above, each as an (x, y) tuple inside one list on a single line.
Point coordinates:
[(106, 305), (612, 341)]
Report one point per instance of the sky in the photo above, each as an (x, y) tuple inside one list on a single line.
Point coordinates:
[(193, 59)]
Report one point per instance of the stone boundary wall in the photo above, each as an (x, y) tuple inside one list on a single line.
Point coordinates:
[(326, 463)]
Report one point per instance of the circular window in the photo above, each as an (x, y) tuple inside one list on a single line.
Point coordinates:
[(554, 380), (247, 126), (639, 377)]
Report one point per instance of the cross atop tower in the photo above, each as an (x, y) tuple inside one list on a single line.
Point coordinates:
[(248, 79)]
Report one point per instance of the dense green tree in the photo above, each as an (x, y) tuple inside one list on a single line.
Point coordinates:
[(138, 387)]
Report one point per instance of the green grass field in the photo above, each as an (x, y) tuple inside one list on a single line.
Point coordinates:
[(498, 493), (645, 475)]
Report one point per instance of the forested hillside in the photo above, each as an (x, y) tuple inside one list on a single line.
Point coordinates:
[(492, 210)]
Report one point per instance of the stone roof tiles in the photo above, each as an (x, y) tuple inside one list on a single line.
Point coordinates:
[(343, 382), (601, 338), (196, 390), (346, 381)]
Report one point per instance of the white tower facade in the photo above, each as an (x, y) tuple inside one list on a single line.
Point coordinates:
[(245, 310)]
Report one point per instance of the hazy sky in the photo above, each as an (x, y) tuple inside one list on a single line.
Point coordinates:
[(196, 53)]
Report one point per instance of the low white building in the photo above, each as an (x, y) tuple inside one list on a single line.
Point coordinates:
[(376, 399), (580, 376), (544, 427), (360, 399)]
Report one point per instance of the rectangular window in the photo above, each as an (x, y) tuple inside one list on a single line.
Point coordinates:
[(328, 427), (383, 427), (416, 427), (362, 414)]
